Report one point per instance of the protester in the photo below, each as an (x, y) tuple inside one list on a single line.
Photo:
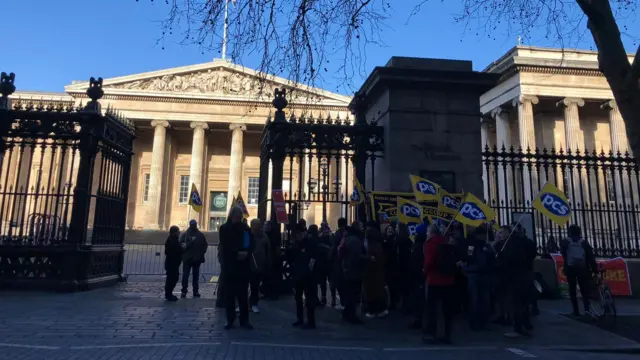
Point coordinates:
[(260, 264), (401, 274), (479, 263), (579, 264), (374, 285), (391, 268), (500, 280), (172, 260), (417, 277), (461, 287), (305, 275), (351, 252), (195, 246), (516, 258), (273, 282), (336, 277), (237, 244), (440, 268), (325, 241)]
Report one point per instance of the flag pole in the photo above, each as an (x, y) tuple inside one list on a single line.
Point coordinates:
[(224, 31)]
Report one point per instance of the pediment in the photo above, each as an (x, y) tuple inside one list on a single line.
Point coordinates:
[(218, 79)]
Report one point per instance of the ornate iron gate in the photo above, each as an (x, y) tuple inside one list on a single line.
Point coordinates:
[(603, 190), (321, 156), (63, 191)]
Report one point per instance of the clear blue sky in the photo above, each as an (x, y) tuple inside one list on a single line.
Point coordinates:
[(49, 43)]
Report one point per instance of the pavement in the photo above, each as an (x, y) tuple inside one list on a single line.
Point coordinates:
[(132, 321)]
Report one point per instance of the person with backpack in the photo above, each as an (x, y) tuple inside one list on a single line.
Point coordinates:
[(479, 262), (579, 264), (440, 265)]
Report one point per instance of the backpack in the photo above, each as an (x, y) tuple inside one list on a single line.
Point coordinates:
[(446, 259), (576, 255)]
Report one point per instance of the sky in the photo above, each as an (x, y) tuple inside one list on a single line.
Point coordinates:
[(52, 42)]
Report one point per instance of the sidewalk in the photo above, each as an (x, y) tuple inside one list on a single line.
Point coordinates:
[(133, 318)]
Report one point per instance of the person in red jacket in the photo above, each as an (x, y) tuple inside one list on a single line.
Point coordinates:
[(440, 266)]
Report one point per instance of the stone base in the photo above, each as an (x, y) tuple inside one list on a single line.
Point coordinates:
[(60, 268)]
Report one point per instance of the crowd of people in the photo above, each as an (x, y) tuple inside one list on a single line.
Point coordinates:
[(486, 277)]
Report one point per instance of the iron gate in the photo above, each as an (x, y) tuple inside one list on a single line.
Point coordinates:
[(63, 191)]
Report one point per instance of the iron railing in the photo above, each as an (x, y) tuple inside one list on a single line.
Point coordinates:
[(602, 188), (147, 259)]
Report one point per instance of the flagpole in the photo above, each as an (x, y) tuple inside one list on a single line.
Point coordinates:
[(224, 31)]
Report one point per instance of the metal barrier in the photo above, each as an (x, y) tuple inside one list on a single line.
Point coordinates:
[(149, 260)]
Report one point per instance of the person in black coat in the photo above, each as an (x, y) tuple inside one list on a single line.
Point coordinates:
[(236, 246), (305, 274), (172, 260), (416, 276)]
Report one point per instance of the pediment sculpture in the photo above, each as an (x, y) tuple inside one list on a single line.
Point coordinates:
[(210, 81)]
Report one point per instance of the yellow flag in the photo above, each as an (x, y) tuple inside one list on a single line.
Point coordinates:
[(357, 196), (552, 203), (447, 203), (409, 213), (474, 212), (239, 202), (194, 199), (423, 189)]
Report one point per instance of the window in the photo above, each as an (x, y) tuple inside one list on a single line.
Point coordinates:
[(252, 190), (145, 189), (183, 194)]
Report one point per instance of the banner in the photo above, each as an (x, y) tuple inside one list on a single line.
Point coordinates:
[(553, 204), (240, 203), (448, 203), (409, 213), (474, 212), (357, 196), (279, 206), (423, 189), (194, 199), (616, 275), (384, 206)]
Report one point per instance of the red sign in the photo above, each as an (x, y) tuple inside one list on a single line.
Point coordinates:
[(279, 205), (616, 275)]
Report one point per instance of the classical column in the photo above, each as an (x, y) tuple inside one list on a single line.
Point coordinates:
[(619, 143), (155, 178), (503, 173), (526, 132), (572, 133), (619, 140), (197, 160), (237, 157)]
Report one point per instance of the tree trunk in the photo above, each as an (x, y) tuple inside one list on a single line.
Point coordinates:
[(623, 77)]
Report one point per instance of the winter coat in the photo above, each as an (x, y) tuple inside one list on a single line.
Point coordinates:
[(352, 254), (417, 259), (432, 272), (589, 257), (172, 252), (305, 252), (195, 246), (235, 238), (261, 257), (517, 255), (373, 280)]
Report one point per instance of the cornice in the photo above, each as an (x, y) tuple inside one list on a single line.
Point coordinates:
[(186, 100), (550, 70)]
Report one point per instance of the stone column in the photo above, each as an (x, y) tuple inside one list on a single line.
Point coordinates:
[(155, 178), (526, 132), (503, 172), (620, 143), (619, 140), (235, 163), (572, 133), (197, 160)]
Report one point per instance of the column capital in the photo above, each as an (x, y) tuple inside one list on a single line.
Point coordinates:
[(525, 99), (500, 110), (570, 101), (195, 125), (242, 127), (610, 105), (163, 123)]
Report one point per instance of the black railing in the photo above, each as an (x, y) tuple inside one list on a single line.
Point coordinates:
[(147, 259), (603, 190), (63, 190)]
